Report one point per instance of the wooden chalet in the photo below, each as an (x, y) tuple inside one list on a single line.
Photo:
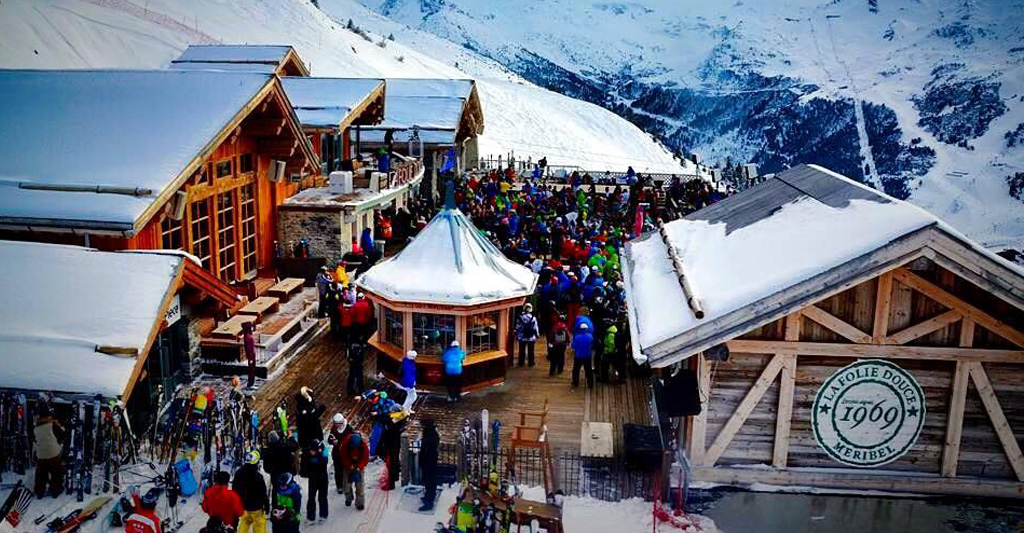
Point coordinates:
[(448, 284), (330, 108), (441, 114), (839, 338), (281, 60)]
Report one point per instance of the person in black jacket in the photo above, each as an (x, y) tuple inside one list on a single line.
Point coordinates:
[(279, 456), (314, 468), (355, 385), (307, 418), (252, 488), (428, 463), (390, 446)]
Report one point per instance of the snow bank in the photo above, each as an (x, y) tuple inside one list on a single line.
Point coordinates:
[(61, 302)]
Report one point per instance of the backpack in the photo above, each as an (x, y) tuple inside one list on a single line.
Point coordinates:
[(561, 336)]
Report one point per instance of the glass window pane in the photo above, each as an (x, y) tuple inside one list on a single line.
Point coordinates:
[(482, 332), (431, 334), (394, 331)]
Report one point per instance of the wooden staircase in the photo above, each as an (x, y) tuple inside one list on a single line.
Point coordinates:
[(211, 285)]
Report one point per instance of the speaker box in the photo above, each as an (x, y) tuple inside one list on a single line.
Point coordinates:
[(643, 446)]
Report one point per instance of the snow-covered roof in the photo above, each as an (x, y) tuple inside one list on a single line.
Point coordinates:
[(232, 53), (328, 102), (265, 68), (111, 128), (436, 105), (61, 302), (802, 223), (449, 263), (430, 87)]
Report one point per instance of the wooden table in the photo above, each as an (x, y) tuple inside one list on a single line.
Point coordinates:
[(596, 440), (284, 289), (260, 306), (232, 328), (549, 516)]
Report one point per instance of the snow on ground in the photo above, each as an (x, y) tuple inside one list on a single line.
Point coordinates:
[(519, 117)]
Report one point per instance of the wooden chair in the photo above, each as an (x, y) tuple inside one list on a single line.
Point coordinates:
[(530, 432)]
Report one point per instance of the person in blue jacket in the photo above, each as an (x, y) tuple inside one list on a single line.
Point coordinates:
[(581, 320), (409, 380), (366, 241), (582, 353), (453, 358)]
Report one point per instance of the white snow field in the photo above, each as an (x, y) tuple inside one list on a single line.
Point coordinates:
[(879, 52), (519, 116)]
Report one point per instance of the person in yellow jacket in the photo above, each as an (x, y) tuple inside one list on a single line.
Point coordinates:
[(340, 275)]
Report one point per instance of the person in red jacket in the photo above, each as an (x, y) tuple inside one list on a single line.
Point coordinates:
[(222, 501), (354, 455), (144, 519), (363, 318)]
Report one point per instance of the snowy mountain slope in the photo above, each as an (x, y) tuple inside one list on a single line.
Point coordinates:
[(519, 116), (920, 98)]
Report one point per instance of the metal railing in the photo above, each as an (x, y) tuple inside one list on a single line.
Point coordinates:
[(608, 479)]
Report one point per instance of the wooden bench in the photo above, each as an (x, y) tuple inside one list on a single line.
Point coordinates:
[(232, 327), (284, 289), (597, 440), (260, 306)]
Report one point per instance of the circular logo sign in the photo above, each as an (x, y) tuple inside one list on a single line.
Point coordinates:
[(868, 414)]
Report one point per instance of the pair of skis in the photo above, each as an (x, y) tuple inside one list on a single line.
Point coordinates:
[(15, 442)]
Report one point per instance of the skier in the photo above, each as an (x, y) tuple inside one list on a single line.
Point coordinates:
[(429, 444), (333, 301), (249, 347), (340, 430), (558, 341), (49, 466), (279, 456), (323, 281), (363, 318), (341, 274), (222, 501), (354, 383), (251, 487), (314, 469), (354, 455), (611, 356), (409, 380), (287, 503), (307, 417), (390, 447), (582, 354), (526, 334), (453, 357), (144, 519)]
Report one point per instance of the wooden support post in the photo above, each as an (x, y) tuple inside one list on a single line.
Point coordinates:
[(836, 324), (923, 328), (883, 301), (955, 420), (698, 427), (787, 384), (999, 422), (744, 409)]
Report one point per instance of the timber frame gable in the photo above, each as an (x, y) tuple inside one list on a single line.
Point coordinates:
[(951, 313)]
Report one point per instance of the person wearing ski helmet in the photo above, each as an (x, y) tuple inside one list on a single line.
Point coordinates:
[(252, 488), (354, 455), (287, 504), (340, 430), (527, 332), (453, 358), (409, 380), (144, 519)]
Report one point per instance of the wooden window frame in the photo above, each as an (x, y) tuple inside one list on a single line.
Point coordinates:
[(231, 164), (233, 253), (246, 273), (252, 170), (211, 232), (165, 232)]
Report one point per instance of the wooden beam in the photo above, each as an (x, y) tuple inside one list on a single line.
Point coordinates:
[(883, 299), (999, 422), (886, 351), (969, 311), (923, 328), (744, 409), (906, 482), (278, 148), (955, 420), (836, 324), (698, 428), (787, 385)]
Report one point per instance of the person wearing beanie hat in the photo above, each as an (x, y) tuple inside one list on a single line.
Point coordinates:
[(453, 358), (279, 455), (409, 380)]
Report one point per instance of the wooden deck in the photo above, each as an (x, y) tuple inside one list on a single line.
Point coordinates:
[(322, 368)]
